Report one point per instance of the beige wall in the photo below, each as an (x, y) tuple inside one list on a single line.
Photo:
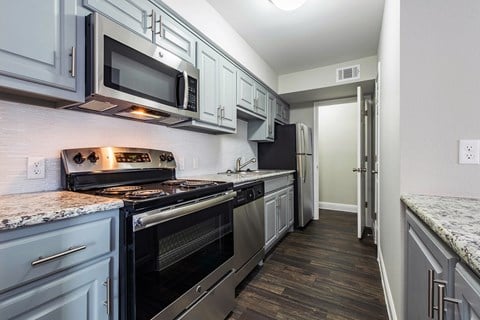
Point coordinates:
[(390, 221), (337, 147), (325, 76)]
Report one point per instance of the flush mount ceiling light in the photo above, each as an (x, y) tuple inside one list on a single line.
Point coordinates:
[(288, 5)]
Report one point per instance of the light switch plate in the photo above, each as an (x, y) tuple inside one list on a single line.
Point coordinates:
[(469, 152)]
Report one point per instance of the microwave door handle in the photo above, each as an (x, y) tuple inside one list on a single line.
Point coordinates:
[(185, 94)]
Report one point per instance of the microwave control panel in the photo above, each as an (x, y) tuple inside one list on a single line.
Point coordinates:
[(192, 94)]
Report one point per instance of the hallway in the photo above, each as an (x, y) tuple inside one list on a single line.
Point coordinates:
[(321, 272)]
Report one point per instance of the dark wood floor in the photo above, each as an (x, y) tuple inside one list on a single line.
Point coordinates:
[(321, 272)]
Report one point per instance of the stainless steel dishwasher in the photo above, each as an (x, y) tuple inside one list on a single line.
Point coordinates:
[(248, 228)]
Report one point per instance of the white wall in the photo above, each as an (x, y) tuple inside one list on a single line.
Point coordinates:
[(337, 153), (207, 20), (390, 220), (38, 131), (440, 58), (325, 76)]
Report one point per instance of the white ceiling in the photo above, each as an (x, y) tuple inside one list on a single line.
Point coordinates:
[(320, 33)]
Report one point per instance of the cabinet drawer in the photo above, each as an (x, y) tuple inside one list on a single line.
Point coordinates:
[(276, 183), (35, 256)]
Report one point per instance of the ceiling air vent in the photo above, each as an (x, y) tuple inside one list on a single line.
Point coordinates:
[(348, 73)]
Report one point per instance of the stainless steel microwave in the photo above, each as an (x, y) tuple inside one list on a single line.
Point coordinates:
[(129, 76)]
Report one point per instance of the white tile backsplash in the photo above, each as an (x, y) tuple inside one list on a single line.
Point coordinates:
[(27, 130)]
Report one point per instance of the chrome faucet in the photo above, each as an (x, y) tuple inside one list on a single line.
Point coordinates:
[(239, 165)]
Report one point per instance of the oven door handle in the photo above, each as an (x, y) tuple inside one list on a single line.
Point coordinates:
[(163, 216)]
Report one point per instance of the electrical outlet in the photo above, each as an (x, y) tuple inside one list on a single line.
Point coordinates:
[(468, 152), (35, 168), (195, 163)]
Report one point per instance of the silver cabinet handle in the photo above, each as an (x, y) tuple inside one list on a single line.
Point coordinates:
[(441, 301), (73, 65), (374, 172), (153, 24), (163, 216), (359, 170), (430, 294), (70, 250), (223, 112), (185, 94), (219, 114), (107, 302), (159, 26)]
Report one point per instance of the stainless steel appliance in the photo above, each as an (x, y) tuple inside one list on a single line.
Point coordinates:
[(177, 246), (292, 149), (248, 228), (129, 76)]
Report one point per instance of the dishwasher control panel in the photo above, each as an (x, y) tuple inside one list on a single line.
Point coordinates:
[(248, 192)]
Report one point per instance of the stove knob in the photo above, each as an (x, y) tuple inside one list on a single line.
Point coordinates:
[(78, 158), (170, 157), (163, 157), (92, 157)]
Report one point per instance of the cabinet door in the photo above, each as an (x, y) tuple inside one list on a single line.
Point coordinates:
[(260, 102), (279, 110), (282, 212), (291, 207), (270, 220), (467, 290), (228, 93), (77, 295), (172, 36), (286, 113), (245, 91), (208, 64), (37, 41), (271, 102), (424, 253), (135, 15)]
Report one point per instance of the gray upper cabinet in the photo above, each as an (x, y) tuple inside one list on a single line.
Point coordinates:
[(149, 21), (263, 129), (245, 91), (208, 63), (467, 290), (217, 88), (227, 94), (260, 101), (172, 36), (38, 47), (282, 112), (426, 255)]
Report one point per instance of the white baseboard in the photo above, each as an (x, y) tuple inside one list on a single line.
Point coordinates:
[(392, 314), (337, 206)]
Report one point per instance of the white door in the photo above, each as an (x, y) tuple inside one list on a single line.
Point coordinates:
[(360, 169)]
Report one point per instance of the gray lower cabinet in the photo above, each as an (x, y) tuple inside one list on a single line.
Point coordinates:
[(467, 291), (40, 54), (278, 209), (72, 295), (61, 270), (426, 255), (148, 20)]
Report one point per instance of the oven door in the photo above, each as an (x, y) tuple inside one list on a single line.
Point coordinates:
[(127, 67), (178, 254)]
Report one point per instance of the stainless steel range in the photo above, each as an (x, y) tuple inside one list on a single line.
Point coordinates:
[(176, 249)]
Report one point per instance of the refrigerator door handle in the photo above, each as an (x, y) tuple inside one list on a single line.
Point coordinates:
[(302, 131), (300, 167), (304, 165)]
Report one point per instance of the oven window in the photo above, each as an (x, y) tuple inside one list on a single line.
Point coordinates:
[(172, 257), (132, 72)]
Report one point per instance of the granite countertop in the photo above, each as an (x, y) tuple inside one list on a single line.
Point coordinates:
[(18, 210), (236, 178), (455, 220)]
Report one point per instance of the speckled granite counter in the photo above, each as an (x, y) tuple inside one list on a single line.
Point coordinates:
[(27, 209), (455, 220), (236, 178)]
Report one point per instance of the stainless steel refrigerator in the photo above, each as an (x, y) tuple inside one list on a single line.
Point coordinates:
[(292, 150)]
